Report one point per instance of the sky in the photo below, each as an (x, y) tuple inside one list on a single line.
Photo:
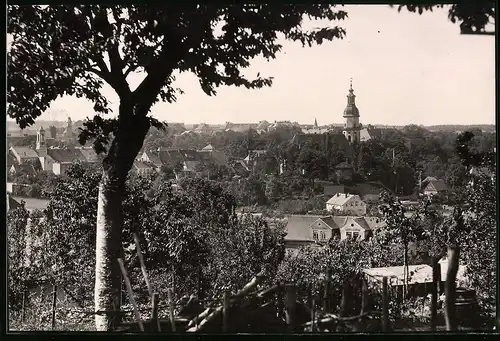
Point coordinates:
[(406, 69)]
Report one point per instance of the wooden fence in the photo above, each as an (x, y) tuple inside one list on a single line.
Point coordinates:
[(273, 309)]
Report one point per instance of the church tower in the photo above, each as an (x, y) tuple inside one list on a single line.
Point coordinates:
[(41, 145), (351, 115)]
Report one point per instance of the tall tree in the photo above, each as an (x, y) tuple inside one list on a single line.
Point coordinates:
[(74, 50)]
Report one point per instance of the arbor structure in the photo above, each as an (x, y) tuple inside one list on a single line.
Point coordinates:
[(74, 50)]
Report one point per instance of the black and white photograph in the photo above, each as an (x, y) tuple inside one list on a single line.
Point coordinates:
[(251, 168)]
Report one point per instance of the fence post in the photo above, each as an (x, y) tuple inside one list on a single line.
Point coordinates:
[(436, 279), (290, 308), (143, 265), (279, 298), (171, 308), (154, 314), (54, 302), (309, 295), (131, 294), (385, 304), (225, 312), (450, 289), (23, 309), (364, 296), (344, 303), (313, 315)]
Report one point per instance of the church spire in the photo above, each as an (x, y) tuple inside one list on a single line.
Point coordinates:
[(315, 123), (350, 84)]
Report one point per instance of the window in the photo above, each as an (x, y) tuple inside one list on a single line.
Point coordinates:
[(355, 235), (355, 203), (323, 236), (348, 234), (315, 235)]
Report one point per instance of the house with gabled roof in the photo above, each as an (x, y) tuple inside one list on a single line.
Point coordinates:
[(62, 159), (22, 169), (142, 168), (89, 154), (151, 157), (24, 154), (436, 187), (314, 229), (346, 203)]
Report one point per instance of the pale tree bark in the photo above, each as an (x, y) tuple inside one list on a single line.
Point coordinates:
[(108, 250), (117, 164)]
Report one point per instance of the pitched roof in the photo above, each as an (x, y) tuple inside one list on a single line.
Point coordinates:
[(439, 185), (297, 227), (333, 189), (429, 178), (24, 168), (153, 157), (89, 154), (208, 147), (141, 165), (343, 165), (25, 152), (340, 199), (361, 222), (66, 155)]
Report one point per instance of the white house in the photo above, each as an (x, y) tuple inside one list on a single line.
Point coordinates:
[(346, 203)]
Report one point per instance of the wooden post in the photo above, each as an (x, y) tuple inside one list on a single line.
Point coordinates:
[(450, 289), (290, 306), (23, 311), (385, 304), (309, 295), (171, 308), (154, 314), (436, 279), (225, 312), (143, 266), (344, 303), (313, 316), (364, 296), (54, 302), (131, 294), (280, 301)]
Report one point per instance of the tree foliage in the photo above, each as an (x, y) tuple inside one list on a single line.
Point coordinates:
[(472, 16)]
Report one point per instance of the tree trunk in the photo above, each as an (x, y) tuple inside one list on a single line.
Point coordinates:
[(108, 250), (450, 288), (132, 129)]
